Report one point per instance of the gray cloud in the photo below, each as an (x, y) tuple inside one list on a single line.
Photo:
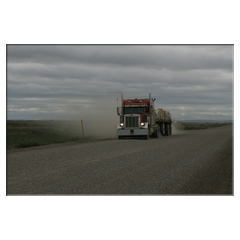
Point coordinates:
[(65, 81), (174, 57)]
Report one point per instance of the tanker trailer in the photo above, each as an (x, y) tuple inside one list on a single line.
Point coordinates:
[(164, 120)]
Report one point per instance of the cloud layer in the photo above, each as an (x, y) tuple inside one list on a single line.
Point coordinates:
[(83, 81)]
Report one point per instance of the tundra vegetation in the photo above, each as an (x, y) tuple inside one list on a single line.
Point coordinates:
[(23, 134), (201, 126)]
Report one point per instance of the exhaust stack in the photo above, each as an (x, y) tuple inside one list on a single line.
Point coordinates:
[(150, 110)]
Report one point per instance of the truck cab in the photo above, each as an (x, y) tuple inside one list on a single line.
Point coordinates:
[(139, 118), (134, 116)]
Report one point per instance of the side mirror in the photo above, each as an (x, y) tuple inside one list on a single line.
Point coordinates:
[(119, 110)]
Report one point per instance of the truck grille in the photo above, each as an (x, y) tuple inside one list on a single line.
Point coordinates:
[(131, 121)]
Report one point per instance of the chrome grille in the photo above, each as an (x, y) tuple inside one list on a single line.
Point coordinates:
[(131, 121)]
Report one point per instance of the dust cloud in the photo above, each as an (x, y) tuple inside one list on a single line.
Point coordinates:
[(177, 128), (99, 117), (91, 129)]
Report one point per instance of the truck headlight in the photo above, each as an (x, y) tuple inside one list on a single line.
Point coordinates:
[(142, 124), (121, 124)]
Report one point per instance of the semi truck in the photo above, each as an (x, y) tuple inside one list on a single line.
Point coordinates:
[(139, 118)]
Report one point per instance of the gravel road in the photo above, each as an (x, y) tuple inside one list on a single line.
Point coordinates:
[(192, 162)]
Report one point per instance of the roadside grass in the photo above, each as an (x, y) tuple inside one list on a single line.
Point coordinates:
[(201, 126), (23, 134)]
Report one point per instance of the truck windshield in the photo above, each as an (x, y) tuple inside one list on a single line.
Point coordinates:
[(132, 110)]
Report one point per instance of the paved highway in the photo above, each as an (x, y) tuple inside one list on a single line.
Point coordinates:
[(198, 162)]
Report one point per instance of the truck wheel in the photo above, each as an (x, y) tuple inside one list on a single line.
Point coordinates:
[(155, 133), (161, 128), (166, 129)]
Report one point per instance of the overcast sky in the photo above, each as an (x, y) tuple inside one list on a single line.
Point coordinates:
[(71, 82)]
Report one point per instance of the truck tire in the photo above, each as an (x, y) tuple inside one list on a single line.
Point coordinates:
[(161, 128), (166, 129), (156, 133)]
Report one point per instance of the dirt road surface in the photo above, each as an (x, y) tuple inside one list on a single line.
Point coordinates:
[(198, 162)]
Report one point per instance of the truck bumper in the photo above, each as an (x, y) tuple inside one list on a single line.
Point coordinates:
[(132, 132)]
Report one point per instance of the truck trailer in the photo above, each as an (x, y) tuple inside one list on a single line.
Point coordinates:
[(139, 118)]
